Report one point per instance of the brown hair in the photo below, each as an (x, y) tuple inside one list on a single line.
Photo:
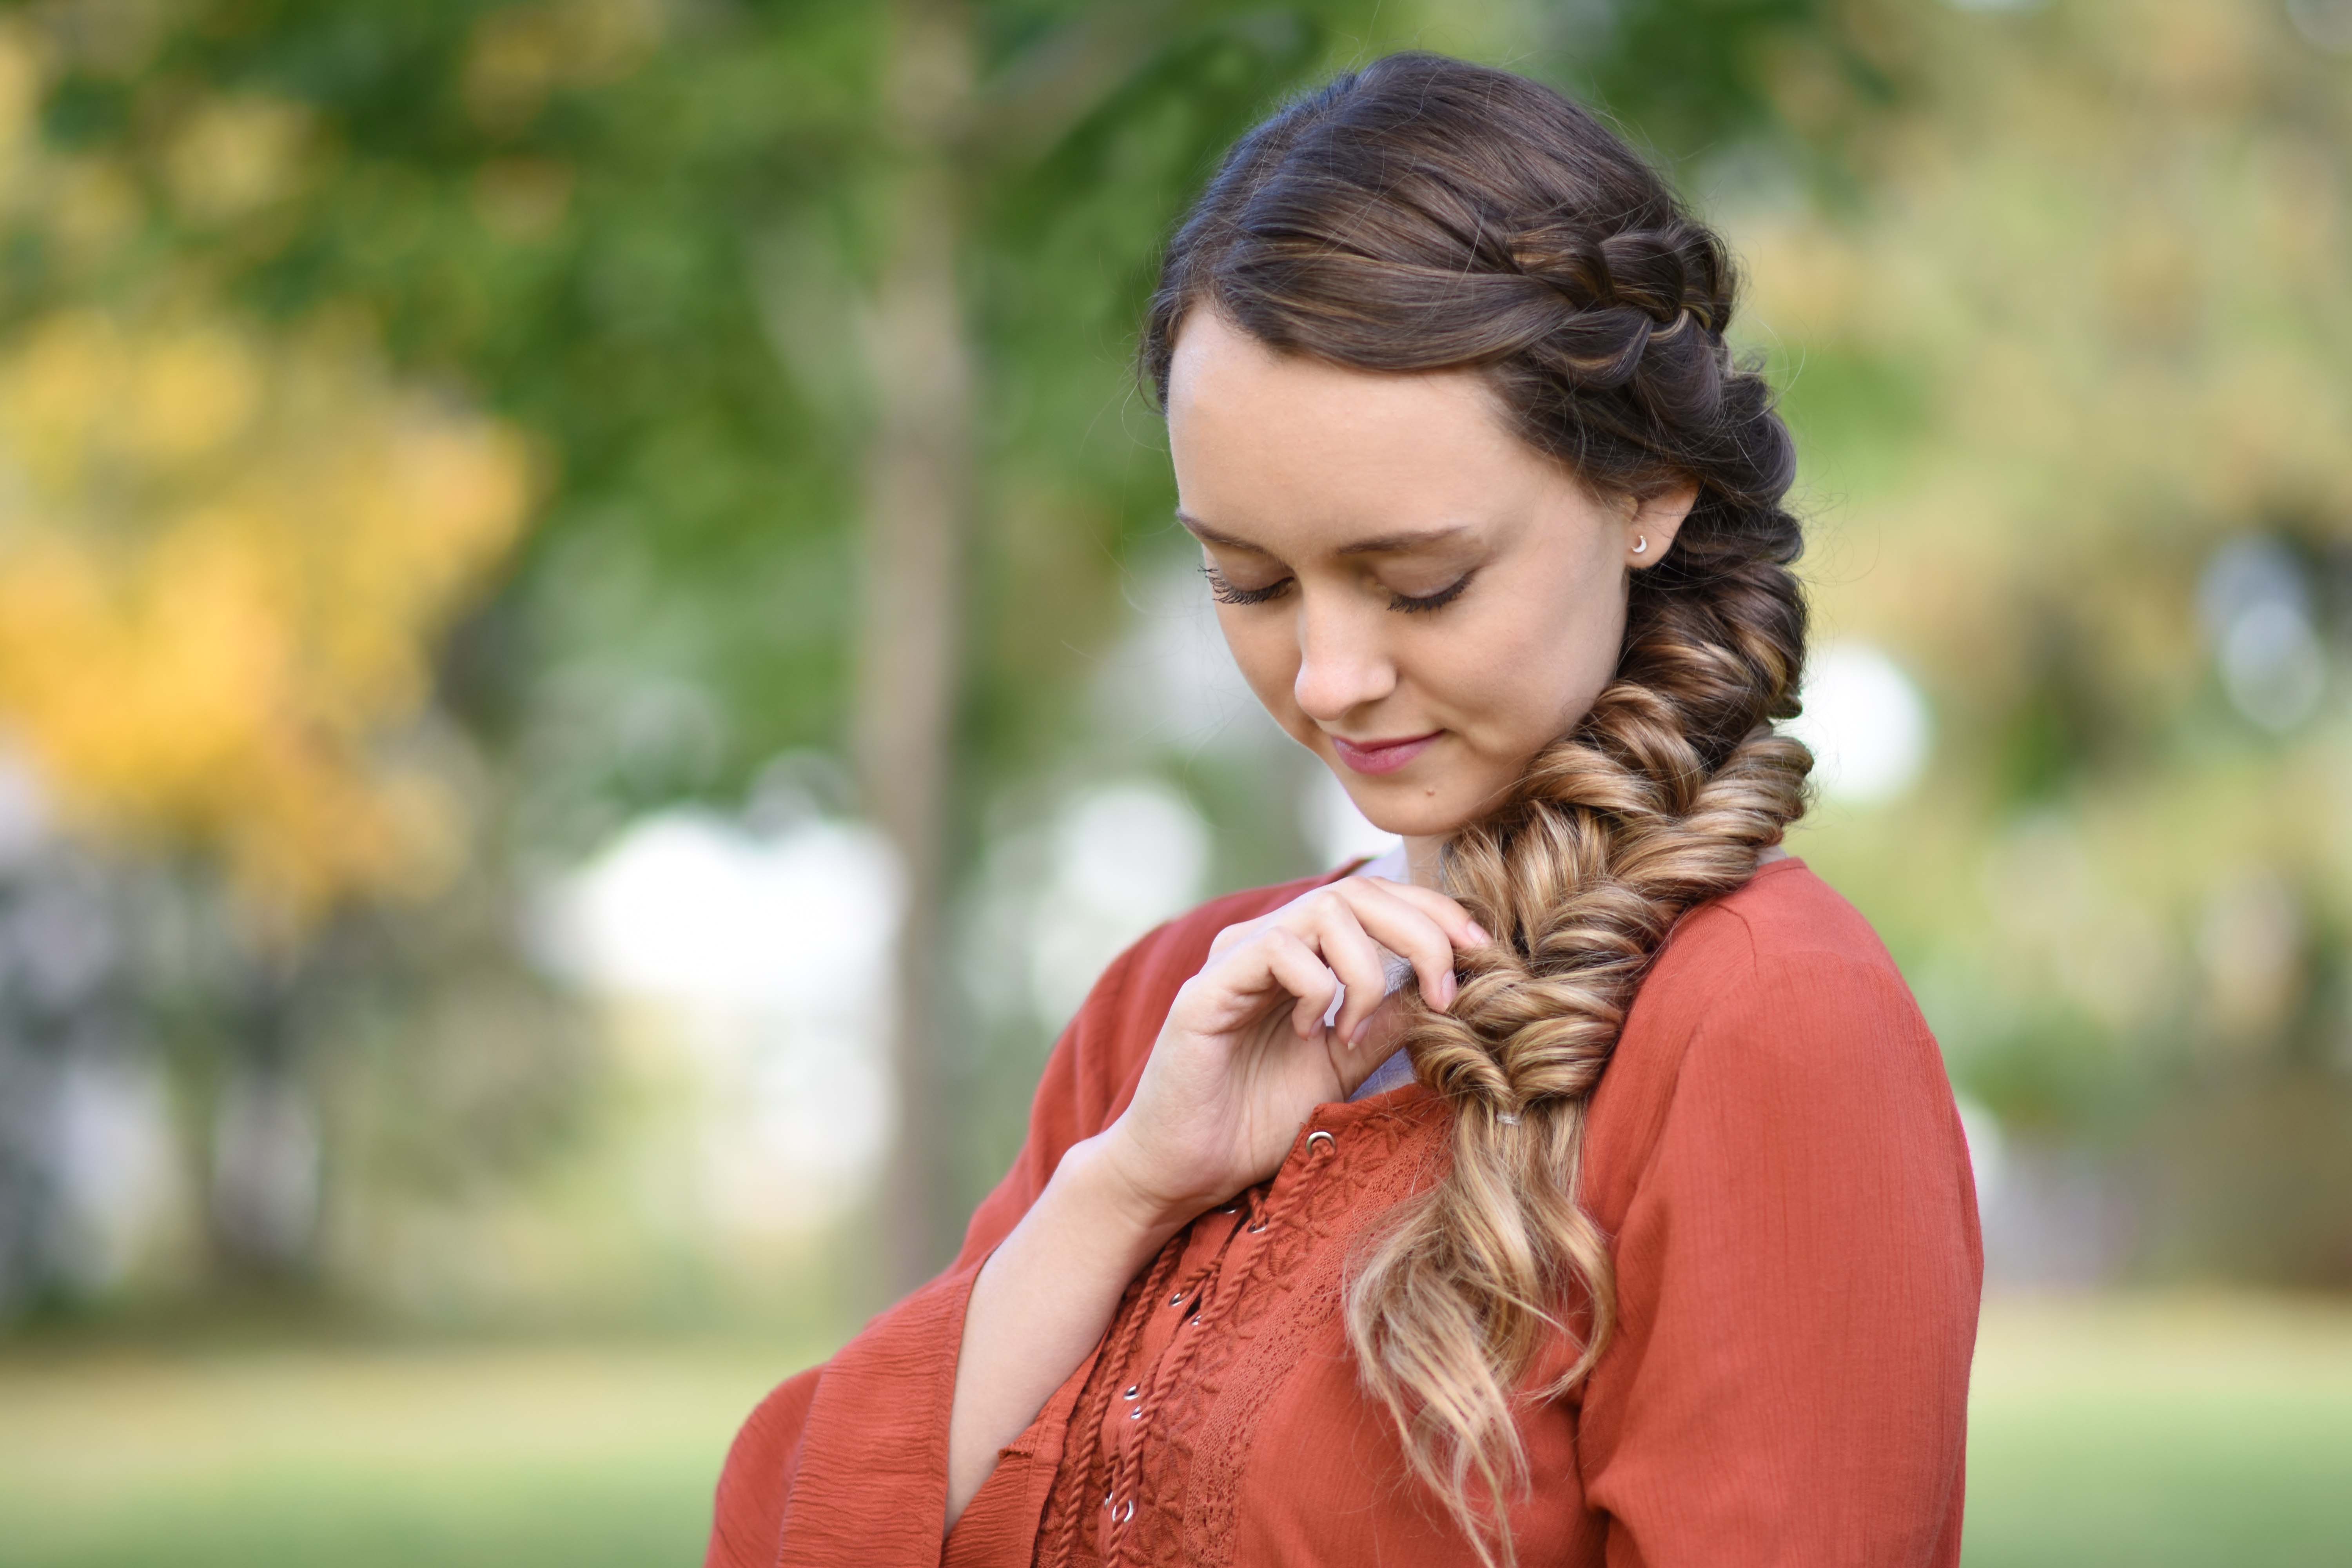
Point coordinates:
[(1424, 213)]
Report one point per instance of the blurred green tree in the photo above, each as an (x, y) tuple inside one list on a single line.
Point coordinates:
[(2071, 363)]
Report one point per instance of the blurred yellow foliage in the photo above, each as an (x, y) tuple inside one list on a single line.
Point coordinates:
[(521, 54), (2120, 290), (223, 562), (226, 557), (235, 155)]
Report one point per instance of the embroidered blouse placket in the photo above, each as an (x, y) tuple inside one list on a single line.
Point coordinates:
[(1205, 1320), (1156, 1345)]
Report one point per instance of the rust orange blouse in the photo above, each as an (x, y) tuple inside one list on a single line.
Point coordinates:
[(1774, 1153)]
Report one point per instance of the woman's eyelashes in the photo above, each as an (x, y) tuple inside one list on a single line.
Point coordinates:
[(1226, 592), (1427, 601)]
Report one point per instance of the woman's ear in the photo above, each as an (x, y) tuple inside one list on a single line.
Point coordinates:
[(1650, 529)]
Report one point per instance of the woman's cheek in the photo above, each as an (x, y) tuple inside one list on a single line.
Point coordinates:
[(1268, 660), (1490, 684), (1533, 691)]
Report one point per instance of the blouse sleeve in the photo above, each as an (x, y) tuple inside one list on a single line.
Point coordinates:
[(1797, 1271), (846, 1463)]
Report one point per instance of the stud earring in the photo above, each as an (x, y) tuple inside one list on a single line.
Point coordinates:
[(1643, 547)]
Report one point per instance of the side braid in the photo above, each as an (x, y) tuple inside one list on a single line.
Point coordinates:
[(1618, 830), (1425, 215)]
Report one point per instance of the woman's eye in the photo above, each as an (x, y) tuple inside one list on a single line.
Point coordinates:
[(1227, 593), (1426, 602)]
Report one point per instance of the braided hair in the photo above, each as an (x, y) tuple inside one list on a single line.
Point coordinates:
[(1424, 213)]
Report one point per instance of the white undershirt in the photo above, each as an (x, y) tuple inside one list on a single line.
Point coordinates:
[(1397, 1069)]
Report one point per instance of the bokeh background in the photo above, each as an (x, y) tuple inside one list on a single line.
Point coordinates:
[(592, 658)]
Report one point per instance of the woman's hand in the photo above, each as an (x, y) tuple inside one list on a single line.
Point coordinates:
[(1244, 1055), (1242, 1059)]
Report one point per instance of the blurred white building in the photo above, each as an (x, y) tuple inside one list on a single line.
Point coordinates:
[(756, 964)]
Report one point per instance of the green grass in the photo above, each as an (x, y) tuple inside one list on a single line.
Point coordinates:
[(2154, 1433), (2161, 1433), (515, 1457)]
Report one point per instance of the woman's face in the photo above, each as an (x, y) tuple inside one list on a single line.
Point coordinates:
[(1417, 596)]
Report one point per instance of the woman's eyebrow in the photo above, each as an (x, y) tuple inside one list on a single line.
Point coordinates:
[(1382, 544)]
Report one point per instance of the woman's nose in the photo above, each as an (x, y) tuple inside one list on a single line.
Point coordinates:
[(1342, 663)]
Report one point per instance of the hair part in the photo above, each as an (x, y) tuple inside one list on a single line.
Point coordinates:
[(1424, 213)]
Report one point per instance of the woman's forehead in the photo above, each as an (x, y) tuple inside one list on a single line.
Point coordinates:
[(1365, 462)]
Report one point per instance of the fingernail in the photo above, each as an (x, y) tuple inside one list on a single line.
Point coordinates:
[(1478, 936), (1356, 1036)]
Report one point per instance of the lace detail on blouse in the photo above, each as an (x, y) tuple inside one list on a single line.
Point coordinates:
[(1163, 1431)]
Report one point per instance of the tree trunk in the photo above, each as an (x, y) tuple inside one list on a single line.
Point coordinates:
[(918, 502)]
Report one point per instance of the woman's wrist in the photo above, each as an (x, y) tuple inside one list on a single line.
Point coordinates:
[(1096, 1177)]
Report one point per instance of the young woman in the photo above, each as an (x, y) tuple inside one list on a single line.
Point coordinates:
[(1586, 1188)]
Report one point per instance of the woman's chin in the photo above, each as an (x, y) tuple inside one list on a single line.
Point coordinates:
[(1407, 812)]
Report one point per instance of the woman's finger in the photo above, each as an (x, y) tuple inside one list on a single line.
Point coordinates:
[(1234, 935), (1296, 968), (1359, 961), (1353, 1060), (1449, 914), (1404, 927)]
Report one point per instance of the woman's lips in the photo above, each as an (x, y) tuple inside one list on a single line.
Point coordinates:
[(1382, 756)]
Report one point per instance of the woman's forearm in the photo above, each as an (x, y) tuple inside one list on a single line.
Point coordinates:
[(1041, 1301)]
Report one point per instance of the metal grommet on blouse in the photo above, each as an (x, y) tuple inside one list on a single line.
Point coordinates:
[(1133, 1389), (1124, 1513), (1177, 1299), (1319, 1134), (1260, 1226), (1136, 1413)]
